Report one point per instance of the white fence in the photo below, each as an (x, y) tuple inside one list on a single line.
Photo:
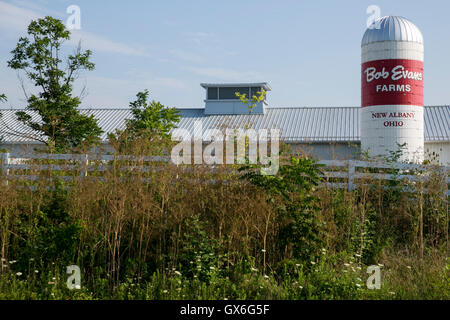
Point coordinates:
[(342, 173)]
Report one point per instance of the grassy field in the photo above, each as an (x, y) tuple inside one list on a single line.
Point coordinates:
[(242, 237)]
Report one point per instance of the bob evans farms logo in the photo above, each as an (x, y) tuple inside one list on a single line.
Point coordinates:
[(392, 82), (399, 72)]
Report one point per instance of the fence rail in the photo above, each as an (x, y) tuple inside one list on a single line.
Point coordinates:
[(347, 170)]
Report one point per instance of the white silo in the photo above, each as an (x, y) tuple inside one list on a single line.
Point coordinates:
[(392, 56)]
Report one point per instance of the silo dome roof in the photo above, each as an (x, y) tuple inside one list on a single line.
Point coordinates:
[(392, 28)]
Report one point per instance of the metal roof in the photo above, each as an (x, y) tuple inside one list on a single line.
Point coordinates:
[(295, 124), (392, 28), (339, 124), (264, 85)]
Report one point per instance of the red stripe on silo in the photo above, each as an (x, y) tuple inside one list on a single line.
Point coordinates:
[(392, 82)]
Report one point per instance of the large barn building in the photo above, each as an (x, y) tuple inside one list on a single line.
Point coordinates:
[(391, 112), (324, 132)]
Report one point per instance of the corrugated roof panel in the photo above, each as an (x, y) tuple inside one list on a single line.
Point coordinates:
[(296, 124), (304, 125), (341, 130), (437, 123)]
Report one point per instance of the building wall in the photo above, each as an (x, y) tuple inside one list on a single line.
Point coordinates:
[(328, 151), (19, 148), (323, 151), (23, 149), (343, 151), (231, 107), (438, 152)]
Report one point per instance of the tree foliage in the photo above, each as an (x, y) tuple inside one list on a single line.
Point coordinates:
[(253, 101), (293, 188), (39, 57), (151, 122)]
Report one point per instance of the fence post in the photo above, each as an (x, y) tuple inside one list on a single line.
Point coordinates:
[(446, 181), (351, 172), (4, 167), (85, 162)]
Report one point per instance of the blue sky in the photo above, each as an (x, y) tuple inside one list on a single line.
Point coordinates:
[(308, 51)]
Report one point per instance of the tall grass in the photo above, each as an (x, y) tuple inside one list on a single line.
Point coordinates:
[(193, 233)]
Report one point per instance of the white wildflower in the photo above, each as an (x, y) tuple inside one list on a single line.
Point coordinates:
[(19, 274)]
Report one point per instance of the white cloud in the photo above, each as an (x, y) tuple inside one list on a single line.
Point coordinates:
[(226, 74), (98, 43), (36, 6), (15, 19), (167, 82), (200, 38), (117, 92), (187, 56)]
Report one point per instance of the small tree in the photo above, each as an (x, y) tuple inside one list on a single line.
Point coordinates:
[(2, 99), (39, 55), (255, 99), (293, 192), (150, 125)]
